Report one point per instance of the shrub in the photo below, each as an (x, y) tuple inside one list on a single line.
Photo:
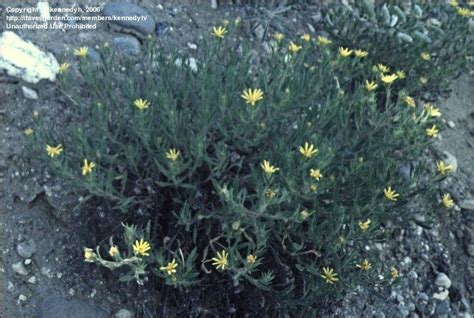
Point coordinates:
[(271, 172)]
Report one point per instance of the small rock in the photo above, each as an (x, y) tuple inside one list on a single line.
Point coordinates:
[(441, 295), (22, 298), (124, 313), (214, 4), (26, 249), (192, 46), (60, 308), (126, 9), (10, 287), (467, 204), (450, 124), (94, 56), (470, 250), (259, 32), (128, 45), (27, 261), (43, 7), (405, 172), (46, 271), (32, 280), (25, 60), (20, 269), (450, 159), (29, 93), (403, 310), (443, 280), (192, 64)]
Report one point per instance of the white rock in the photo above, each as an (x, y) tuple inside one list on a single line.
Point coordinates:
[(450, 124), (29, 93), (192, 46), (443, 280), (32, 280), (214, 4), (192, 64), (43, 7), (20, 269), (124, 313), (25, 60), (441, 295)]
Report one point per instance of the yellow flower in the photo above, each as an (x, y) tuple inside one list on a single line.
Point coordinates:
[(344, 52), (221, 260), (81, 52), (323, 40), (141, 104), (170, 268), (389, 79), (278, 36), (219, 32), (364, 226), (448, 203), (270, 193), (63, 67), (306, 37), (268, 168), (141, 248), (390, 194), (365, 265), (114, 251), (393, 273), (401, 74), (360, 53), (370, 86), (329, 275), (89, 255), (252, 96), (251, 259), (28, 131), (409, 101), (54, 151), (294, 48), (431, 110), (173, 154), (423, 80), (463, 12), (313, 187), (87, 167), (453, 3), (444, 169), (308, 150), (425, 56), (432, 132), (315, 174), (382, 68), (225, 22)]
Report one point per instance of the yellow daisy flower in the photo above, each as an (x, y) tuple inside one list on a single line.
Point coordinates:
[(448, 203), (393, 273), (431, 110), (306, 37), (89, 255), (252, 96), (270, 193), (329, 275), (28, 131), (423, 80), (463, 12), (308, 150), (54, 151), (221, 262), (141, 104), (360, 53), (444, 169), (364, 226), (344, 52), (388, 79), (409, 101), (315, 174), (114, 251), (278, 36), (294, 48), (173, 154), (63, 68), (81, 52), (323, 40), (370, 86), (432, 132), (268, 168), (390, 194), (170, 268), (87, 167), (251, 259), (401, 74), (219, 32), (141, 248), (365, 265), (382, 68), (425, 56)]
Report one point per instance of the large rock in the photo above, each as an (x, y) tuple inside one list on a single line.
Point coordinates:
[(127, 45), (25, 60), (63, 308), (144, 26)]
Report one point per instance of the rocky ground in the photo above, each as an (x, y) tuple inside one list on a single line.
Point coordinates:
[(41, 267)]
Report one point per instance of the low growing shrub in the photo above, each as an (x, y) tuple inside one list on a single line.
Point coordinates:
[(270, 174)]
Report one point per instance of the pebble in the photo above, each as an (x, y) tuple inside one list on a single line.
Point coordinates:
[(192, 64), (32, 280), (259, 32), (126, 9), (441, 295), (192, 46), (470, 250), (467, 204), (128, 45), (29, 93), (46, 271), (214, 4), (26, 249), (450, 124), (124, 313), (443, 280), (404, 312), (20, 269), (43, 7), (10, 287), (450, 159), (22, 298)]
